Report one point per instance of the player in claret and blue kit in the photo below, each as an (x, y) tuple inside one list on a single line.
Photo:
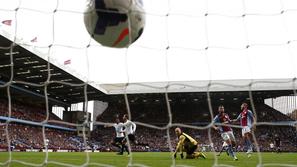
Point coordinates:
[(225, 130), (246, 118)]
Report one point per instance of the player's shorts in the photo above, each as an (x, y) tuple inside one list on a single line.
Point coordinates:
[(131, 137), (228, 135), (190, 148), (225, 144), (118, 139), (245, 129)]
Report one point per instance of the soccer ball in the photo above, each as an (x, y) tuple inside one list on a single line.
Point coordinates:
[(115, 23)]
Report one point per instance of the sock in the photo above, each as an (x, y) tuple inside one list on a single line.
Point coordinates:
[(230, 150), (125, 147), (249, 145), (226, 149)]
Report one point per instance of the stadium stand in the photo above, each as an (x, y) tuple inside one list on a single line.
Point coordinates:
[(197, 114), (25, 112)]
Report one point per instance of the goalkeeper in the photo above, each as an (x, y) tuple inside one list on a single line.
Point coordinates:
[(187, 144)]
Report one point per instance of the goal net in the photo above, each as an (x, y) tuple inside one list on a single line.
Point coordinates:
[(192, 57)]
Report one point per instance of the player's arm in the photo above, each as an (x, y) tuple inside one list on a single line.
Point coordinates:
[(133, 127), (179, 146), (228, 120), (215, 120), (253, 118), (238, 117), (109, 125), (215, 127)]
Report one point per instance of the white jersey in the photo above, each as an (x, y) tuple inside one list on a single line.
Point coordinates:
[(130, 127), (119, 129)]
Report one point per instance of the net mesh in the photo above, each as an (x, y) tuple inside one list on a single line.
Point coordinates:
[(278, 15)]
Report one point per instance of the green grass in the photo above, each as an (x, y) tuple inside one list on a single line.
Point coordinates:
[(148, 159)]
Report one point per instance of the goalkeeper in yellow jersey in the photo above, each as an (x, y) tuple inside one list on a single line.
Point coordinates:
[(187, 144)]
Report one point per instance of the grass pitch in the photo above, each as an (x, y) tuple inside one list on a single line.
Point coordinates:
[(23, 159)]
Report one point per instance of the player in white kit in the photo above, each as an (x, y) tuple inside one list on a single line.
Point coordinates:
[(130, 128), (119, 138)]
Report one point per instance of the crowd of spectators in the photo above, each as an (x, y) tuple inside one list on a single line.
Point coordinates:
[(25, 112), (24, 136), (30, 137), (154, 113)]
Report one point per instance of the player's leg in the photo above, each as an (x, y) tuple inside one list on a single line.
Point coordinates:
[(278, 149), (233, 141), (124, 146), (249, 142), (227, 138), (190, 150), (224, 148), (116, 143), (132, 139), (247, 138), (230, 150), (199, 155)]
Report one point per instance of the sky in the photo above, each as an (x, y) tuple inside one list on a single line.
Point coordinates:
[(188, 40)]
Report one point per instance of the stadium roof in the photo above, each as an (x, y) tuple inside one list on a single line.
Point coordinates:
[(29, 74)]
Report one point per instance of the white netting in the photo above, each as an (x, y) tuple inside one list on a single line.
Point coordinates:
[(187, 46)]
